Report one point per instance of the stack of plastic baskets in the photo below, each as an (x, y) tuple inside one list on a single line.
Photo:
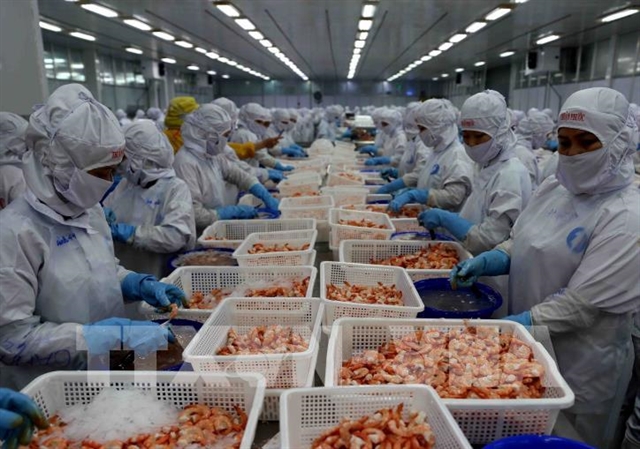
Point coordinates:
[(296, 240), (343, 196)]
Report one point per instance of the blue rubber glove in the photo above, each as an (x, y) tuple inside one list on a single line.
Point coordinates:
[(551, 145), (523, 318), (236, 212), (388, 173), (438, 218), (105, 335), (412, 196), (109, 334), (145, 337), (295, 146), (275, 175), (144, 287), (381, 160), (489, 263), (18, 415), (282, 167), (122, 232), (368, 149), (346, 134), (292, 151), (109, 215), (392, 186), (259, 191)]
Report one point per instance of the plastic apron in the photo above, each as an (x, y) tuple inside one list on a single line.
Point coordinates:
[(438, 165)]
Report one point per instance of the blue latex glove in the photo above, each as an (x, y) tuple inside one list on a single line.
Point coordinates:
[(381, 160), (122, 232), (388, 173), (282, 167), (109, 215), (18, 415), (551, 145), (144, 287), (105, 335), (145, 337), (346, 134), (108, 335), (412, 196), (275, 175), (438, 218), (392, 186), (295, 146), (523, 318), (236, 212), (294, 151), (259, 191), (368, 149), (489, 263)]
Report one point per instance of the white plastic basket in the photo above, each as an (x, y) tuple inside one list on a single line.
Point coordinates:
[(290, 370), (338, 178), (481, 420), (205, 279), (340, 232), (309, 412), (60, 389), (316, 207), (358, 251), (374, 197), (401, 224), (233, 232), (337, 272), (309, 183), (346, 195), (294, 238), (316, 165)]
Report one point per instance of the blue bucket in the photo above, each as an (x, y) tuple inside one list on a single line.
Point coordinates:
[(172, 264), (414, 235), (183, 366), (536, 442), (478, 302)]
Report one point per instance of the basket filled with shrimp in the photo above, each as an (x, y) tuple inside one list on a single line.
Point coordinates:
[(312, 164), (421, 259), (277, 249), (398, 416), (231, 233), (345, 178), (404, 220), (344, 195), (277, 337), (355, 290), (307, 184), (492, 375), (207, 287), (360, 225), (147, 409), (316, 207)]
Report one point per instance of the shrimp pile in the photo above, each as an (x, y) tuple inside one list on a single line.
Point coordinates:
[(210, 301), (261, 248), (470, 363), (350, 176), (299, 194), (212, 237), (272, 339), (433, 257), (198, 426), (297, 289), (405, 212), (365, 294), (384, 430), (364, 223)]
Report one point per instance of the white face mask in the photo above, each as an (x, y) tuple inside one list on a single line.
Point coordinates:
[(583, 173), (84, 190), (217, 147), (481, 153), (429, 139)]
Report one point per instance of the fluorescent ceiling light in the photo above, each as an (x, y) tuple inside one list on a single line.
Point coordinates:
[(359, 44), (226, 76), (138, 24), (506, 54), (619, 14), (193, 67), (547, 39), (83, 36), (201, 50), (459, 70), (435, 78), (365, 24), (363, 35), (211, 72), (368, 10), (475, 27), (446, 46), (458, 38), (48, 66), (50, 27), (417, 61), (168, 60), (184, 44), (232, 63), (479, 64), (228, 9), (445, 75), (274, 50), (224, 60), (434, 53), (77, 66), (357, 51), (212, 55), (266, 43), (425, 58), (500, 11), (245, 24), (257, 35), (521, 1), (135, 51), (164, 35), (99, 9)]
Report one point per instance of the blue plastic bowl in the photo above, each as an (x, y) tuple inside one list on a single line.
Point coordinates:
[(183, 366), (420, 236), (488, 299), (536, 442), (172, 264)]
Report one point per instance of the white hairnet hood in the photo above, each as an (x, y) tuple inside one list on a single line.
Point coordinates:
[(409, 122), (154, 113), (439, 117), (535, 128), (229, 106), (204, 128), (251, 112), (393, 118), (12, 144), (282, 120), (149, 153), (334, 112)]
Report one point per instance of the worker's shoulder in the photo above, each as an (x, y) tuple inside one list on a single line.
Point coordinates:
[(622, 209), (18, 217)]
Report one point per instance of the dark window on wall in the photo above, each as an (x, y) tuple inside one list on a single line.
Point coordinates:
[(626, 55), (61, 63), (602, 59), (77, 66), (586, 61)]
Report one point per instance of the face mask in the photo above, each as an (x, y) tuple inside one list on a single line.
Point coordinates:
[(429, 139), (217, 147), (84, 190), (481, 153), (133, 176), (583, 173)]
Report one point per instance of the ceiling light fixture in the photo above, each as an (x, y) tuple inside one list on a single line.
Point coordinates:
[(365, 24), (168, 60), (135, 51), (193, 67), (226, 76), (228, 9), (363, 35), (475, 27), (445, 75), (446, 46), (499, 12), (359, 44), (83, 36), (426, 58), (458, 38), (201, 50), (368, 10), (274, 50), (245, 24), (459, 70), (100, 10), (266, 43), (435, 78), (357, 51), (211, 72), (163, 35), (184, 44), (49, 27), (479, 64), (257, 35), (212, 55), (434, 53), (223, 60), (620, 14), (138, 24), (232, 63), (547, 39), (506, 54)]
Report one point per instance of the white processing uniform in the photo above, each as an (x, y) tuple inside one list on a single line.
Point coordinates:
[(12, 148)]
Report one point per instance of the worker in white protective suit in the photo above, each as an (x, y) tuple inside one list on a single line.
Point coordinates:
[(283, 126), (328, 126), (394, 140), (203, 165), (60, 279), (12, 148), (501, 185), (122, 117), (153, 212), (140, 115), (380, 137), (445, 178), (532, 133), (573, 258), (156, 115)]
